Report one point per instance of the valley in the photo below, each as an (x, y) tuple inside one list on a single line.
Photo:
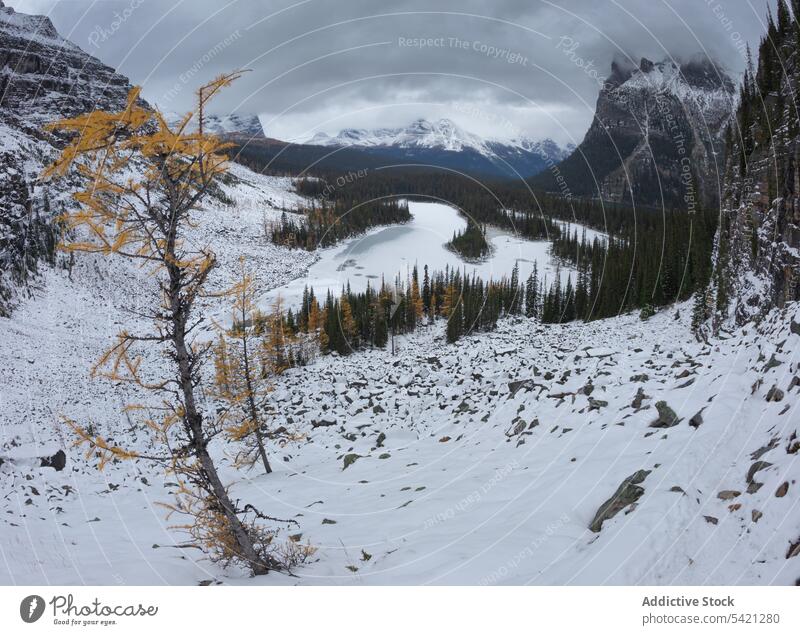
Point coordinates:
[(398, 354), (386, 253)]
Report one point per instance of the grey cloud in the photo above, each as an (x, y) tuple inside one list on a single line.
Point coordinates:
[(502, 66)]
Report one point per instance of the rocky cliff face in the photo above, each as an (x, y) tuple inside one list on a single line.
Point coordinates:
[(757, 255), (655, 138), (43, 77)]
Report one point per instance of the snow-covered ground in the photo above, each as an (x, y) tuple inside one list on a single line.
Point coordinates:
[(482, 462)]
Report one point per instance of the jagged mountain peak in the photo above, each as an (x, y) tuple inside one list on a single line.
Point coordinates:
[(649, 115), (40, 25), (697, 72), (238, 124), (45, 76), (440, 134), (442, 142)]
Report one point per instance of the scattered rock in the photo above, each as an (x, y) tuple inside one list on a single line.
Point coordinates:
[(444, 439), (757, 467), (596, 404), (764, 449), (515, 386), (639, 398), (587, 390), (711, 519), (328, 521), (627, 493), (697, 420), (755, 515), (323, 423), (728, 494), (349, 459), (775, 394), (772, 363), (666, 416), (58, 461), (782, 490), (518, 427)]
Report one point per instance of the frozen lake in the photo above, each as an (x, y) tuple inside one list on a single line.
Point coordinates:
[(386, 252)]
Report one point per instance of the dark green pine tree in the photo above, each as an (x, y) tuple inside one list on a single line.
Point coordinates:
[(531, 291), (426, 292), (784, 19), (455, 322), (569, 302), (515, 300)]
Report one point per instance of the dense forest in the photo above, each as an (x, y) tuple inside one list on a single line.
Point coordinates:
[(469, 304), (328, 223), (470, 242)]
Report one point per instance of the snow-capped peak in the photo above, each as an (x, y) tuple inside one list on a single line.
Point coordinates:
[(700, 80), (443, 134), (229, 124)]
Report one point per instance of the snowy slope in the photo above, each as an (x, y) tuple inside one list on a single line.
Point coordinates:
[(477, 479)]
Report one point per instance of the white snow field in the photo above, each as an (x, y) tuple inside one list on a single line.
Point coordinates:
[(482, 462)]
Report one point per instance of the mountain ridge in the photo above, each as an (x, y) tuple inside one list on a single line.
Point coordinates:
[(655, 138), (442, 143), (43, 77)]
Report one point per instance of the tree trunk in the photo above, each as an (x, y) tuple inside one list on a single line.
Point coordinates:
[(262, 451), (194, 423), (251, 401)]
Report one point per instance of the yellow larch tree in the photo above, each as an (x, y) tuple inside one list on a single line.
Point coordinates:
[(240, 380), (143, 181)]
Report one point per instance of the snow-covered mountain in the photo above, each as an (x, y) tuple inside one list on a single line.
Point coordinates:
[(44, 77), (445, 144), (442, 135), (234, 124), (657, 126)]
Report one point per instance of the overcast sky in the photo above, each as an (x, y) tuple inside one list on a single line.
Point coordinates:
[(499, 68)]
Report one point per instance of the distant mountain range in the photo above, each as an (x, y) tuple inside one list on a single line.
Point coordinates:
[(240, 125), (444, 144)]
